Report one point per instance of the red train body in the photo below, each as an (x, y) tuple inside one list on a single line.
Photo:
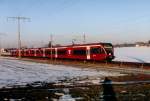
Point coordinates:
[(94, 51)]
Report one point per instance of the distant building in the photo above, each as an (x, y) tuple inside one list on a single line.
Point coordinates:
[(125, 45), (138, 44)]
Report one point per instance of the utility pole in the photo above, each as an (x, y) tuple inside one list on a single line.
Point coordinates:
[(84, 38), (1, 34), (18, 18), (51, 40)]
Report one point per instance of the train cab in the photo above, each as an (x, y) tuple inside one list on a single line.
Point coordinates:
[(97, 53), (109, 50)]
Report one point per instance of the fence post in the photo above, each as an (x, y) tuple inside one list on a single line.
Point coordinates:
[(142, 65), (121, 63)]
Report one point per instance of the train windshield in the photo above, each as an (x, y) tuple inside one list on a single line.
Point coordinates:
[(108, 46)]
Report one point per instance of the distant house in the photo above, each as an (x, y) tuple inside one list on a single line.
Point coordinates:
[(125, 45), (140, 44)]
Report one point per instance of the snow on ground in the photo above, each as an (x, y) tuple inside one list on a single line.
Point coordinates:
[(132, 54), (16, 72)]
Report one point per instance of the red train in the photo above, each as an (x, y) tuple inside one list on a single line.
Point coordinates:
[(93, 51)]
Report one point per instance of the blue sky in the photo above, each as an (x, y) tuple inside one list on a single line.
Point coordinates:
[(115, 21)]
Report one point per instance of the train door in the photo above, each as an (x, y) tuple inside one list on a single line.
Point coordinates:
[(88, 52), (26, 53), (56, 53), (50, 53), (43, 52), (32, 52), (39, 53), (22, 53)]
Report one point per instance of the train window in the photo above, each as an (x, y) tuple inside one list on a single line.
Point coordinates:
[(22, 52), (108, 46), (48, 52), (32, 51), (61, 52), (37, 52), (14, 52), (27, 52), (96, 50), (79, 52)]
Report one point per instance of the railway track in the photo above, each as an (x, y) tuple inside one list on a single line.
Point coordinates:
[(110, 67), (119, 66), (124, 70)]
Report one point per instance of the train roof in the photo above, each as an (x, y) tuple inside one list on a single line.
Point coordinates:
[(101, 43), (85, 44)]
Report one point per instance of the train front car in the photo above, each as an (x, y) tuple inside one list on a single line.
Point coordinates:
[(109, 50)]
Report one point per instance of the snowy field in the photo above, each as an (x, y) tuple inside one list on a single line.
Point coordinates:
[(15, 72), (133, 54)]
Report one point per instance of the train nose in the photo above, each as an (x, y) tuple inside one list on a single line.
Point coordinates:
[(110, 55)]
